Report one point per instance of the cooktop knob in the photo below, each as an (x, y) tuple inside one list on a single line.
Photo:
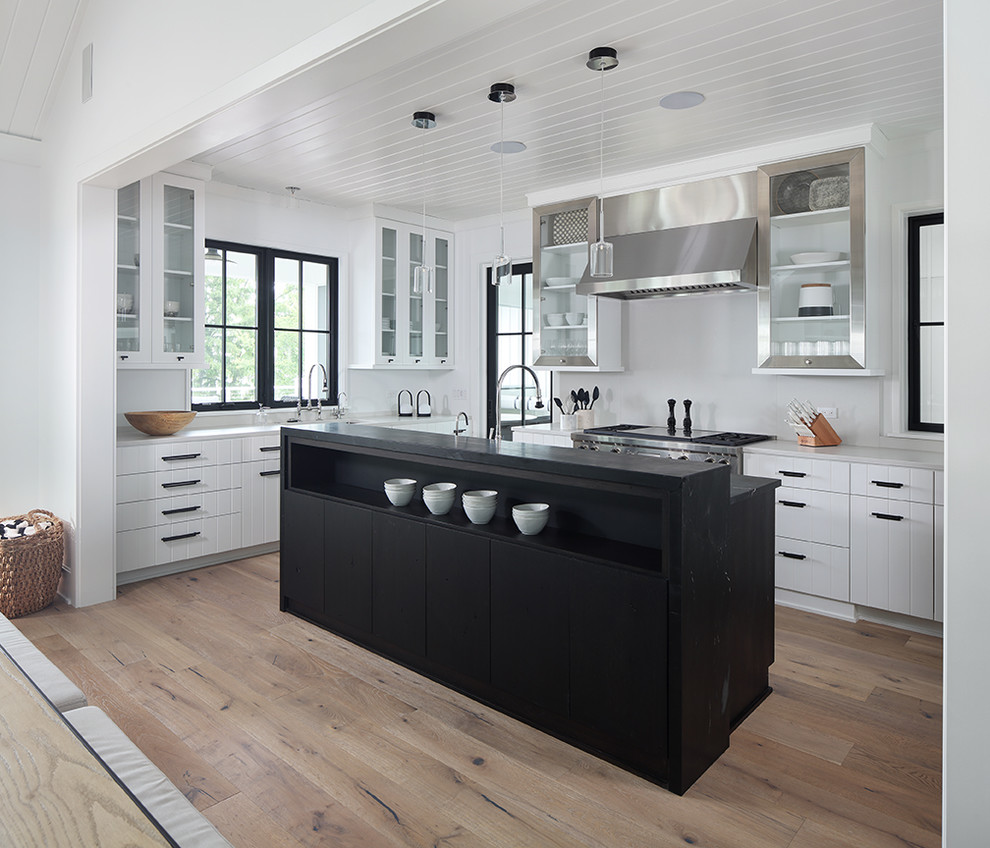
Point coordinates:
[(616, 450)]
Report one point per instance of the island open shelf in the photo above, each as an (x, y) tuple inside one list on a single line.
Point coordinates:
[(638, 625)]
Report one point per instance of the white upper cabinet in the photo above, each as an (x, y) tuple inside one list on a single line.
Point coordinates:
[(160, 272)]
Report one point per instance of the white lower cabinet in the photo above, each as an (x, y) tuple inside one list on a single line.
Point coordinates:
[(812, 568), (939, 561), (187, 499), (812, 515)]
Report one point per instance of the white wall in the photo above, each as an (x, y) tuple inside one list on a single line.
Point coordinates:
[(966, 731), (26, 387)]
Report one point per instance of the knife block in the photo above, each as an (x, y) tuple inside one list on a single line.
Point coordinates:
[(824, 436)]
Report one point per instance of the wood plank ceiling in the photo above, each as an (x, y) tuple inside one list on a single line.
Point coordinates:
[(770, 70)]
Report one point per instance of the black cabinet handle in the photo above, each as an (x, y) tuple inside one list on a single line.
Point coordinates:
[(176, 485), (792, 473), (791, 556), (271, 448), (886, 517), (178, 456), (269, 473), (180, 536), (887, 485), (180, 509), (792, 503)]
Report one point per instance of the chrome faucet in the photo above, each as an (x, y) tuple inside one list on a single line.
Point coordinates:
[(497, 434), (340, 403), (309, 398), (457, 420)]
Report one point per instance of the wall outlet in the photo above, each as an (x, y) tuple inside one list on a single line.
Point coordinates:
[(829, 411)]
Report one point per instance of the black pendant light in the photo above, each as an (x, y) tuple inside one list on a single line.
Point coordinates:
[(601, 59), (501, 93)]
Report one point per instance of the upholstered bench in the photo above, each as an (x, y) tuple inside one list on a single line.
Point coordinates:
[(187, 826), (61, 691)]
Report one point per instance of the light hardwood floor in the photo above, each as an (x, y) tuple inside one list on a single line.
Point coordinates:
[(284, 735)]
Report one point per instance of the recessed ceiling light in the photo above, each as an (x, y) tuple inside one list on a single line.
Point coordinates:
[(682, 100), (508, 147)]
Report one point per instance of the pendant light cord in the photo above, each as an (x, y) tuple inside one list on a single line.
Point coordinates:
[(601, 163), (501, 170), (425, 188)]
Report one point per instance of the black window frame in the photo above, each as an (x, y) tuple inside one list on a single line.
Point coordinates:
[(491, 364), (265, 378), (915, 223)]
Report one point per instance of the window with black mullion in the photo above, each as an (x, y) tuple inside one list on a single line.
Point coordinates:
[(926, 324)]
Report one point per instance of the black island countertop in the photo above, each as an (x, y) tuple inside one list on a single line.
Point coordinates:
[(638, 625)]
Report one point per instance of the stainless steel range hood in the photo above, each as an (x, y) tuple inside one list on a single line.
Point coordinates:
[(694, 238)]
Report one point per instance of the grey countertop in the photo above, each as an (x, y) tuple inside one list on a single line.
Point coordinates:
[(852, 453)]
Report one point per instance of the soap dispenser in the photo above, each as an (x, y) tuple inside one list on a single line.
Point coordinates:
[(423, 407), (405, 409)]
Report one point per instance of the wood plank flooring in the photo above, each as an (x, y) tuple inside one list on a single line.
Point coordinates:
[(284, 735)]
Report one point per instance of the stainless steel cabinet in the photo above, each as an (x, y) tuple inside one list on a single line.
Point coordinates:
[(570, 331), (812, 263)]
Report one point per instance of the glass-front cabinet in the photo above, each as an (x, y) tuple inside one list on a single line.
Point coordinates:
[(570, 331), (812, 261), (160, 272), (413, 327)]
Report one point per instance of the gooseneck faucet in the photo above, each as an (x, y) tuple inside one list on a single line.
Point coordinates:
[(497, 434), (340, 403), (457, 421), (309, 398)]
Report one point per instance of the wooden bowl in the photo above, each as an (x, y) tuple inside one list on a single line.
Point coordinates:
[(159, 423)]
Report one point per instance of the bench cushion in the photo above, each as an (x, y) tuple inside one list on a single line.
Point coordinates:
[(179, 818), (61, 691)]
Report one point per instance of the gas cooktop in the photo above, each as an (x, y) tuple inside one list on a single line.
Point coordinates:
[(677, 434)]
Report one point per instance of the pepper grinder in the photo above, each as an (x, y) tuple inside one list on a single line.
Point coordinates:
[(687, 417), (671, 419)]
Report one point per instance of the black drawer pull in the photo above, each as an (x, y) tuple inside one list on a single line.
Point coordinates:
[(178, 456), (792, 473), (271, 448), (180, 536), (180, 509), (792, 503), (887, 485), (790, 555), (176, 485), (886, 517), (269, 473)]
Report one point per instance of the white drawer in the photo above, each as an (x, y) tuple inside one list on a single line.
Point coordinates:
[(163, 512), (175, 481), (261, 493), (135, 459), (800, 472), (894, 482), (266, 446), (812, 516), (182, 540), (811, 568)]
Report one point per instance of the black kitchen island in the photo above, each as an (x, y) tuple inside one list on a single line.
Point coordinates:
[(638, 625)]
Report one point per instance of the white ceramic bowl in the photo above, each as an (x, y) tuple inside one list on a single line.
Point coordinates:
[(480, 495), (555, 282), (479, 513), (815, 257), (400, 490), (555, 319), (575, 319), (439, 497), (531, 518)]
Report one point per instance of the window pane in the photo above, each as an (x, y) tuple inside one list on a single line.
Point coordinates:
[(213, 309), (242, 289), (242, 366), (510, 305), (287, 367), (931, 273), (315, 291), (206, 387), (286, 294), (527, 290), (932, 376), (315, 349)]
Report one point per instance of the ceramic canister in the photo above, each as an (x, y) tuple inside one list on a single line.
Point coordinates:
[(815, 299)]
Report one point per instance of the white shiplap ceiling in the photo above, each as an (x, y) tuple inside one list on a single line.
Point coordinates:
[(35, 37), (770, 69)]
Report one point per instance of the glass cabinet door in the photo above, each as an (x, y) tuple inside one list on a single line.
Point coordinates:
[(129, 301), (811, 263), (565, 322), (179, 282), (415, 329), (441, 261), (387, 296)]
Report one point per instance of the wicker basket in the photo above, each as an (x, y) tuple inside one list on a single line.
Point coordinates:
[(31, 566)]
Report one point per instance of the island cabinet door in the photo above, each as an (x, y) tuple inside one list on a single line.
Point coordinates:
[(301, 551), (347, 542), (530, 651), (399, 582), (458, 602), (618, 662)]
